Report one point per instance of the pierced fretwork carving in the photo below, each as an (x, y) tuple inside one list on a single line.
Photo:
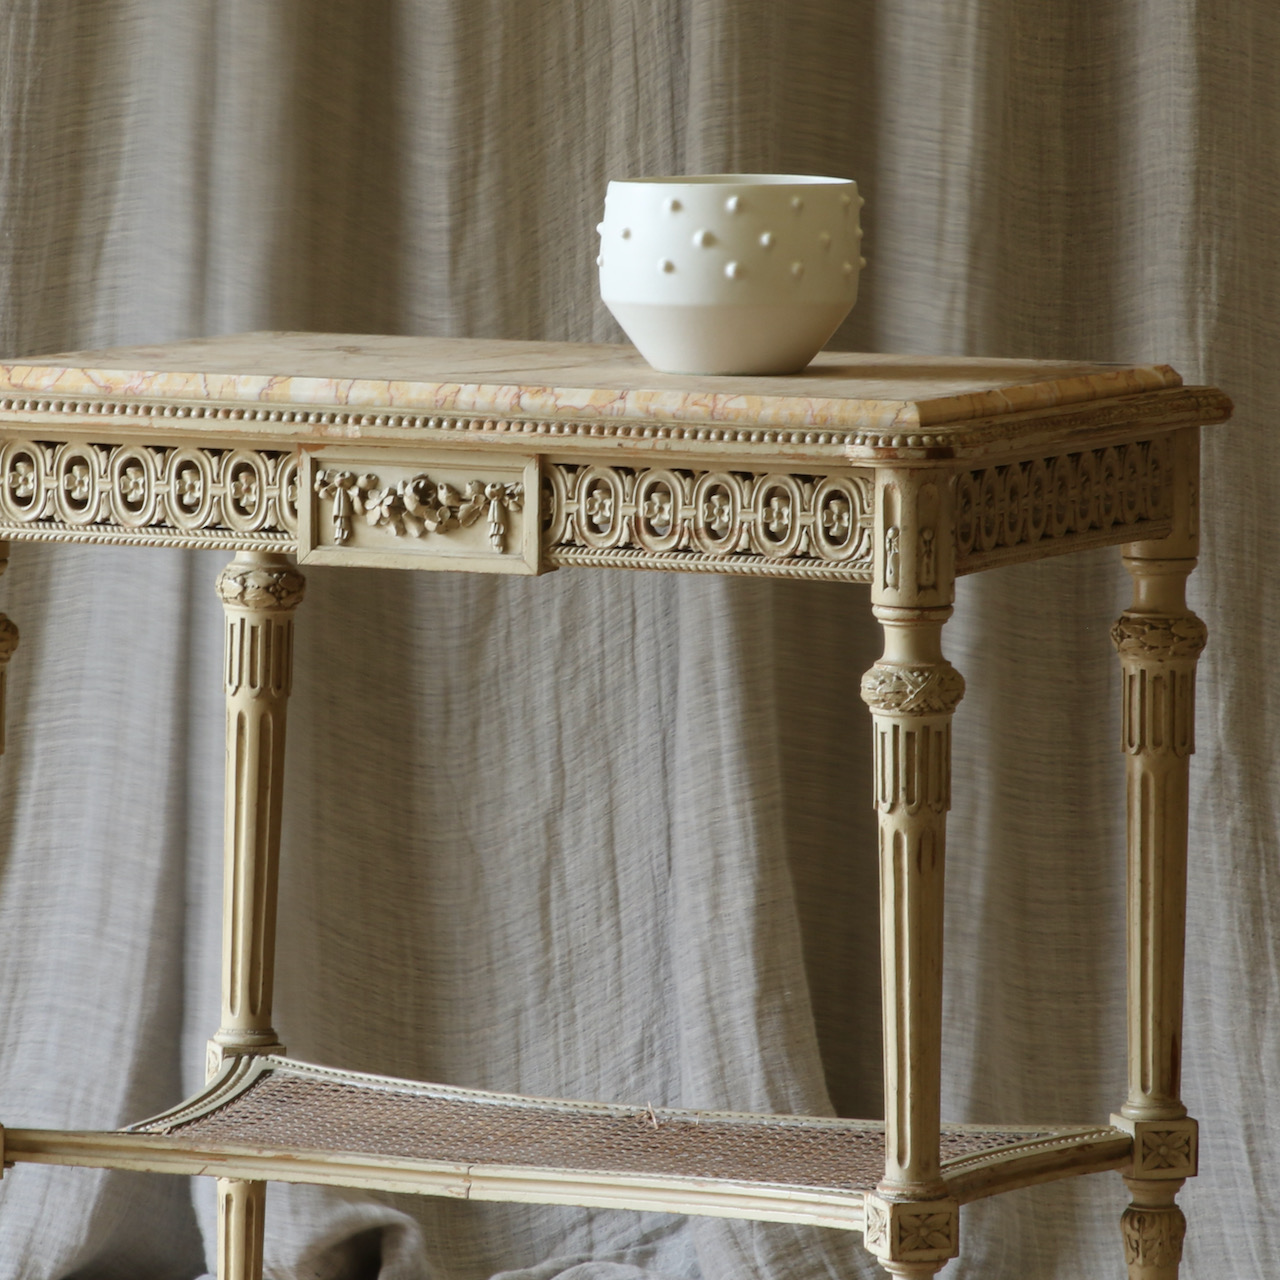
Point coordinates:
[(185, 495), (682, 518), (1074, 496)]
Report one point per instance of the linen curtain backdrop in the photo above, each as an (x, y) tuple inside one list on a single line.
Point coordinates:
[(607, 835)]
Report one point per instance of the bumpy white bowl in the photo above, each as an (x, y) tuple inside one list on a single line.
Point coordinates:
[(730, 272)]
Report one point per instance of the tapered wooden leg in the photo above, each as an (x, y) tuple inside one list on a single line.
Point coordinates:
[(1159, 640), (912, 1226), (259, 594), (240, 1215)]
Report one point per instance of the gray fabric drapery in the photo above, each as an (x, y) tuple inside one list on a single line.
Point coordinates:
[(652, 792)]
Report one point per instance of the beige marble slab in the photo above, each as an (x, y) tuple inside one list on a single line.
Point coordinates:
[(840, 390)]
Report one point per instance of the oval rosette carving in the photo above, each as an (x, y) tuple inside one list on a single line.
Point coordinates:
[(717, 508), (26, 492), (555, 505), (1013, 511), (1132, 483), (285, 501), (840, 531), (1037, 500), (80, 484), (989, 514), (660, 502), (966, 513), (1158, 481), (1061, 499), (598, 518), (1086, 491), (777, 502), (134, 489), (245, 484), (189, 490), (1108, 488)]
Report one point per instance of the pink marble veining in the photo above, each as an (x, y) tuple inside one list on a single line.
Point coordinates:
[(492, 378)]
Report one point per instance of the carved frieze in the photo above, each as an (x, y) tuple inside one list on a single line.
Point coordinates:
[(1095, 494), (184, 495), (778, 523)]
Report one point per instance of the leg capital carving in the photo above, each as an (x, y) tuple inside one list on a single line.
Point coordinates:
[(921, 1232)]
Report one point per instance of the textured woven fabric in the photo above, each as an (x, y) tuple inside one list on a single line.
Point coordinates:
[(600, 834)]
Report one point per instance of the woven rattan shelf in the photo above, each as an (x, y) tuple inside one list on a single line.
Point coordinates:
[(318, 1124)]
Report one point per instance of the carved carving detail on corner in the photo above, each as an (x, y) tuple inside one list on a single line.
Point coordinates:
[(275, 588), (1166, 1149), (875, 1232), (1138, 635), (1153, 1237), (911, 1231), (417, 505), (1022, 503), (925, 690)]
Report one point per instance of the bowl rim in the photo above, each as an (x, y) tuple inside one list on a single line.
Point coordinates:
[(733, 179)]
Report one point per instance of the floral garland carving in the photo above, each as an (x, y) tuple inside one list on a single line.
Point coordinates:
[(417, 506), (927, 690), (1141, 636)]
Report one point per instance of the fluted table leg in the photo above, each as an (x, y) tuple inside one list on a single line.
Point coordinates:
[(259, 594), (1159, 640), (912, 1226)]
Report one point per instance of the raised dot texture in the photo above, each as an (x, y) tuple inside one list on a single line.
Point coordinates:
[(797, 203), (797, 269), (847, 268), (599, 260), (665, 264), (733, 270), (599, 228), (626, 233), (824, 239), (673, 206), (703, 239), (766, 239), (733, 204)]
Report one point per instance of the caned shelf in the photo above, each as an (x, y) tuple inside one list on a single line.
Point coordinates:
[(298, 1122)]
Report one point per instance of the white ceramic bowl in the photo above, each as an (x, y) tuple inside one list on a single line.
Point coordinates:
[(730, 272)]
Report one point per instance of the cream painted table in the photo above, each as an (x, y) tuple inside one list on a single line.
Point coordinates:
[(505, 457)]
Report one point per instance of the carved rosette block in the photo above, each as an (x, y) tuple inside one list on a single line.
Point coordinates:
[(911, 1237), (1162, 1149), (259, 594), (241, 1207)]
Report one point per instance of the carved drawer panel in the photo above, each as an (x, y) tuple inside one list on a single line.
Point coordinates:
[(392, 510)]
